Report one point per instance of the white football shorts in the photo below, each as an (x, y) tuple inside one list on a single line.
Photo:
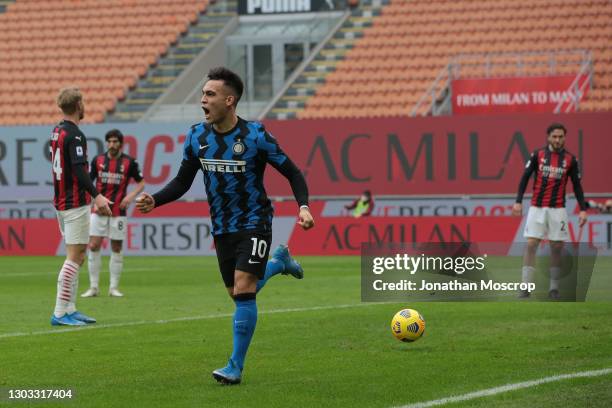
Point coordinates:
[(545, 222), (112, 227), (74, 225)]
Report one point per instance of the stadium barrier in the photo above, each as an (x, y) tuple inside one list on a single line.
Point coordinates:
[(395, 157)]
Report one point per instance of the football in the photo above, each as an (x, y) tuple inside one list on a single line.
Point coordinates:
[(408, 325)]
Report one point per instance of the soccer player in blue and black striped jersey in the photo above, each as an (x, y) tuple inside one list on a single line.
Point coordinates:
[(233, 153)]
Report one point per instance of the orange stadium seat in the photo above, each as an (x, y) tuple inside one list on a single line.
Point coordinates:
[(113, 43), (412, 42)]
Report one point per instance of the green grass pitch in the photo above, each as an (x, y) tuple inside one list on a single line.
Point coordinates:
[(316, 344)]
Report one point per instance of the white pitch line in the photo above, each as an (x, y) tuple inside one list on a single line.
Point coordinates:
[(508, 387), (178, 319), (19, 274)]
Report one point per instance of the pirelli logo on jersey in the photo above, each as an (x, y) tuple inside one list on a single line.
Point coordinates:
[(223, 166)]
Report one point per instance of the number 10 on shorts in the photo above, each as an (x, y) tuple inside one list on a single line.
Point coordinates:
[(259, 247)]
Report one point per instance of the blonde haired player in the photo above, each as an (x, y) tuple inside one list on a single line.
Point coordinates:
[(73, 191)]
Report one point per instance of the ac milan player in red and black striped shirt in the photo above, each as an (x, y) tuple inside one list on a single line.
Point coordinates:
[(73, 191), (112, 171), (551, 167)]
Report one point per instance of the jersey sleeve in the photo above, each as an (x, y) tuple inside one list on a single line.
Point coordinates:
[(530, 167), (77, 148), (135, 172), (179, 185), (188, 154), (274, 155), (574, 173), (93, 169), (268, 146)]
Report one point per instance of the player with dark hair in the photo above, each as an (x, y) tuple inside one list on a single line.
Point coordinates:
[(233, 153), (551, 167), (113, 170), (73, 191)]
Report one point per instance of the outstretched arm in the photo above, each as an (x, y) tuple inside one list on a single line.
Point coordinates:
[(300, 191), (172, 191), (530, 167), (280, 161)]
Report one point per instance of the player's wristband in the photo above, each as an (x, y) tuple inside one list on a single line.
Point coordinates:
[(304, 206)]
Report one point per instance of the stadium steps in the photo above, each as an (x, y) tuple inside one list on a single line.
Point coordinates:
[(170, 66), (305, 86)]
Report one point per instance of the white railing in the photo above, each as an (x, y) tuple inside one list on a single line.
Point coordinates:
[(577, 89), (436, 100)]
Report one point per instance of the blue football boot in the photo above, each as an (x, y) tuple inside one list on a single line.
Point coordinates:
[(65, 320), (228, 375), (82, 318), (292, 267)]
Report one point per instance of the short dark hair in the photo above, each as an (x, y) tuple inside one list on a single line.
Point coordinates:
[(116, 133), (229, 78), (555, 126)]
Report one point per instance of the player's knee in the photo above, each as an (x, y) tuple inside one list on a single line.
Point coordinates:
[(556, 246), (532, 245), (116, 246), (245, 283), (80, 256)]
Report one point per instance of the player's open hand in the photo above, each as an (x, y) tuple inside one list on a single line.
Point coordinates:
[(145, 203), (124, 203), (582, 218), (305, 219), (102, 205), (517, 209)]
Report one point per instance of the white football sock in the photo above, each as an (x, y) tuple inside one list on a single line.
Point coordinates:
[(65, 285), (528, 272), (94, 265), (75, 286), (115, 266), (555, 274)]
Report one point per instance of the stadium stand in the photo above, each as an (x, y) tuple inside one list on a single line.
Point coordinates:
[(312, 78), (170, 66), (110, 45), (411, 42)]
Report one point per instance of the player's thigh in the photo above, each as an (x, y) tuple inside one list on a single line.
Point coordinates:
[(74, 225), (118, 228), (226, 257), (557, 220), (253, 250), (535, 225), (99, 225)]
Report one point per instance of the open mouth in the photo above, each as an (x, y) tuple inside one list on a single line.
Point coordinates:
[(206, 110)]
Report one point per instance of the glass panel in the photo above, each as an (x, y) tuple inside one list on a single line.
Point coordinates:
[(294, 55), (262, 71), (238, 59)]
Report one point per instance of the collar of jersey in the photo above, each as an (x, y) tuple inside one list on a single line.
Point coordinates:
[(229, 132)]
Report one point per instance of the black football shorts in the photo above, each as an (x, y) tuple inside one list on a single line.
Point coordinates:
[(246, 251)]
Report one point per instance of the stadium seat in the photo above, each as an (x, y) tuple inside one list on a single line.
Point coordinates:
[(410, 43), (113, 43)]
